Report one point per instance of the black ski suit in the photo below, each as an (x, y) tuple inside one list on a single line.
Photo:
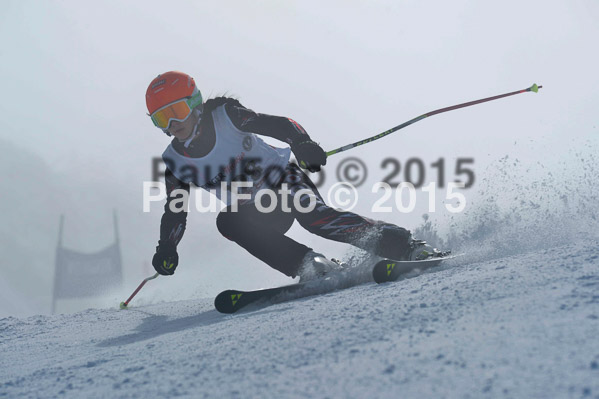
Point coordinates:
[(263, 234)]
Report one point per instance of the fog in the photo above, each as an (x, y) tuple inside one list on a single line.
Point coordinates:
[(77, 140)]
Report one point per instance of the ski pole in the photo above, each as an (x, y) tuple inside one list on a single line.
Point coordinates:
[(123, 305), (533, 88)]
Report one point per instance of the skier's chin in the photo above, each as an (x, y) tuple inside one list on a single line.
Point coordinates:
[(180, 134)]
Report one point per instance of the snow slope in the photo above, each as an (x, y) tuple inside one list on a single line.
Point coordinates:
[(525, 326)]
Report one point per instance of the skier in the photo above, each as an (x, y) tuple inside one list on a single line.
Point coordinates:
[(218, 141)]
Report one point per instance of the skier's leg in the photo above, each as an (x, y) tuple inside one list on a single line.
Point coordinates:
[(378, 237), (263, 235)]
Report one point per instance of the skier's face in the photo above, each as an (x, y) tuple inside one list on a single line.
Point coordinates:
[(182, 130)]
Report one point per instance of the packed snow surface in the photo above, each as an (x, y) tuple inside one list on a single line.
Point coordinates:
[(524, 326)]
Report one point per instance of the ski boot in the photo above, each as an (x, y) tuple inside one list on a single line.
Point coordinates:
[(420, 250), (315, 266)]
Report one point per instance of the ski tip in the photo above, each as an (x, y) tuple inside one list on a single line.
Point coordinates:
[(123, 305), (535, 88), (228, 301)]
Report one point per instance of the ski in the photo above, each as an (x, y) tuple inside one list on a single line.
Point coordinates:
[(230, 301), (390, 270)]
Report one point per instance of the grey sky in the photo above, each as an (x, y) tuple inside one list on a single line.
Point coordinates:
[(77, 71)]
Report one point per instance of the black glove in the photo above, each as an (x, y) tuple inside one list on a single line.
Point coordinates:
[(309, 155), (165, 259)]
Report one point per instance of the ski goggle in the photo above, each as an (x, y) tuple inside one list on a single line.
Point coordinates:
[(176, 111)]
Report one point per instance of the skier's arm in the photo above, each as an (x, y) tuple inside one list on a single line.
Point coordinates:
[(172, 224), (278, 127), (172, 227), (308, 153)]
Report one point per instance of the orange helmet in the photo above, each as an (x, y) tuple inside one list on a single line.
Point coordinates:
[(169, 87)]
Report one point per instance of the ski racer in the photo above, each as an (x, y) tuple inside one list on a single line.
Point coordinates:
[(216, 143)]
